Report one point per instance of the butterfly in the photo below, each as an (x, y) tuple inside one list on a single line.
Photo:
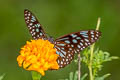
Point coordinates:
[(66, 45)]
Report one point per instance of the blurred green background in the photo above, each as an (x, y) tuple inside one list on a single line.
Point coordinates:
[(58, 17)]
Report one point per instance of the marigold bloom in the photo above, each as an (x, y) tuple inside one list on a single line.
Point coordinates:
[(38, 55)]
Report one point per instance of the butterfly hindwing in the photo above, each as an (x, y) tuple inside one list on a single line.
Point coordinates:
[(65, 54), (35, 28), (74, 43)]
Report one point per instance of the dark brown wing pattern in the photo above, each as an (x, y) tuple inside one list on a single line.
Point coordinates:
[(35, 28), (73, 43)]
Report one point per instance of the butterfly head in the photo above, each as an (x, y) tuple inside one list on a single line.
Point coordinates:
[(51, 39)]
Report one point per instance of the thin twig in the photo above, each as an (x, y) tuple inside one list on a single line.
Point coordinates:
[(79, 73)]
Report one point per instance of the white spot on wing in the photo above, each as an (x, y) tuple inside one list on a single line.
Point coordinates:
[(73, 35), (67, 41), (74, 41)]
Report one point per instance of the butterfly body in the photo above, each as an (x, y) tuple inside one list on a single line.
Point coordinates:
[(66, 45)]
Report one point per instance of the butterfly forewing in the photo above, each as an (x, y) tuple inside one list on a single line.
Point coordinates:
[(74, 43), (33, 25)]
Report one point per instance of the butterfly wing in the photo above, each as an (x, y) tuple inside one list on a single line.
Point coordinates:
[(35, 28), (74, 43), (65, 52), (66, 45)]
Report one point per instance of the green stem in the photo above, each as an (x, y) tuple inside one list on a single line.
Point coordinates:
[(91, 54), (98, 24), (90, 64), (36, 75), (79, 73)]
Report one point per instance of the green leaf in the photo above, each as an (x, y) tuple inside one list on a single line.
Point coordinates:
[(103, 77), (76, 75), (2, 76), (99, 57), (84, 76), (71, 76)]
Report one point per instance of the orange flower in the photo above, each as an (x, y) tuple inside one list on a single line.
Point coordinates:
[(38, 55)]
